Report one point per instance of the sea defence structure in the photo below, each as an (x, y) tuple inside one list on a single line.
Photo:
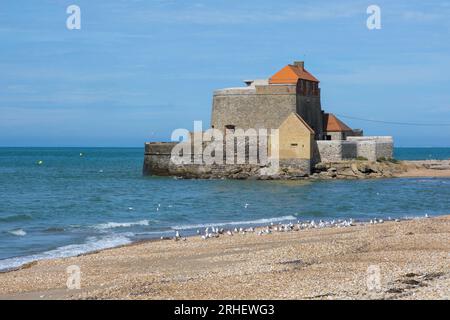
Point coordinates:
[(287, 103)]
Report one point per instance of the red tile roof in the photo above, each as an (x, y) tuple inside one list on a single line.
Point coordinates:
[(290, 74), (332, 124)]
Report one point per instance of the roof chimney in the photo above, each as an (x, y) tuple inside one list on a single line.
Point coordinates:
[(300, 64)]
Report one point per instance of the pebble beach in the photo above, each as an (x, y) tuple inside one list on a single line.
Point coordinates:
[(410, 259)]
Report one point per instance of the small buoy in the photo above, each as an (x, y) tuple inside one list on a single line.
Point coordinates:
[(81, 154), (40, 162)]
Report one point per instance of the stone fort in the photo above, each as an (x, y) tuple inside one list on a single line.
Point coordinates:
[(288, 101)]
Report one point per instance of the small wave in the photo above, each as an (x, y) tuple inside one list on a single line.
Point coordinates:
[(55, 229), (112, 225), (18, 232), (408, 217), (14, 218), (217, 224), (91, 244)]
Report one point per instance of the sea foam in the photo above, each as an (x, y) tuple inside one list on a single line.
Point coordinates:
[(18, 232), (234, 223), (91, 244), (112, 225)]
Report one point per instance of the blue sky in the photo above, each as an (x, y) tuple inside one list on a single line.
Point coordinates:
[(139, 69)]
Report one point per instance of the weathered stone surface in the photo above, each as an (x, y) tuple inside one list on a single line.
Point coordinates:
[(369, 148), (157, 162)]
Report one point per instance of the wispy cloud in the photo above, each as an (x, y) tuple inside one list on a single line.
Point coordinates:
[(201, 14)]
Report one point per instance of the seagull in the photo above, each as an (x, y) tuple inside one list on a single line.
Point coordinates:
[(198, 231), (246, 205), (177, 234), (130, 208), (426, 215), (229, 233)]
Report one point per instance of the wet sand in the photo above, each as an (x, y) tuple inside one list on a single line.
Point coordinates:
[(413, 258), (426, 168)]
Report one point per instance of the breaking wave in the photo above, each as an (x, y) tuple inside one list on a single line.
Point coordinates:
[(17, 217), (91, 244), (18, 232), (234, 223), (112, 225)]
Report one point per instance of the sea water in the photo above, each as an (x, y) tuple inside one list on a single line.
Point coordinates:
[(59, 202)]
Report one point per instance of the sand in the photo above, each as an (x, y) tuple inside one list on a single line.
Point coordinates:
[(426, 168), (412, 258)]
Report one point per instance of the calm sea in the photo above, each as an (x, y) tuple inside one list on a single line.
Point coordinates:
[(71, 204)]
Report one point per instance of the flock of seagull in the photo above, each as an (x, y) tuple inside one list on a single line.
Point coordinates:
[(215, 232)]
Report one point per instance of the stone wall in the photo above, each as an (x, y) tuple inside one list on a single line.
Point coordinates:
[(157, 161), (309, 108), (265, 106), (336, 135), (246, 109), (371, 148), (374, 147), (335, 150)]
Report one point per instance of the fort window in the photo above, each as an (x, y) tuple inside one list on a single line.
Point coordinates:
[(230, 127), (294, 144)]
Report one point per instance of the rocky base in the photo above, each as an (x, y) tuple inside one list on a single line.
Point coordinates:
[(356, 169), (299, 169)]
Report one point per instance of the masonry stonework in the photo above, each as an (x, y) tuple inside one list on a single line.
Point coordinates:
[(288, 102)]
